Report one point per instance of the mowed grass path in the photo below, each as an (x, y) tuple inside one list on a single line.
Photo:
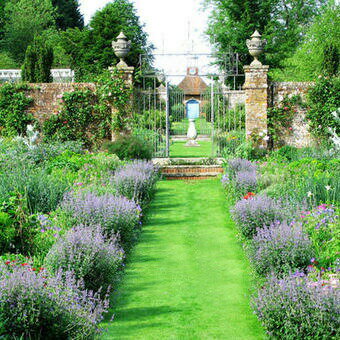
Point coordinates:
[(188, 277), (178, 149)]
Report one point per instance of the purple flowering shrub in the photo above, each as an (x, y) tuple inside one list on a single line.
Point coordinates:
[(253, 213), (238, 164), (246, 181), (91, 257), (280, 248), (296, 307), (323, 227), (115, 214), (137, 180), (38, 305), (241, 177)]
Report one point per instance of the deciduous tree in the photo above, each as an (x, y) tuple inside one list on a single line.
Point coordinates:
[(282, 22)]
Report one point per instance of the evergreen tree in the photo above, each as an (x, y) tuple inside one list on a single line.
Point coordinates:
[(69, 15), (38, 62)]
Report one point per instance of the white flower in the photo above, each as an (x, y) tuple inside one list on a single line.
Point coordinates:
[(309, 194), (266, 138), (328, 187), (261, 134)]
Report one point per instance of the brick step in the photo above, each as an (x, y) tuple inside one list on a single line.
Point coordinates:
[(191, 171)]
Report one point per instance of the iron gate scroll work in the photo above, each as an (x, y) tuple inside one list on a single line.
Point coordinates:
[(164, 101)]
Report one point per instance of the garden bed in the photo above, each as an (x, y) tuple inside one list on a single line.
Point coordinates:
[(287, 213)]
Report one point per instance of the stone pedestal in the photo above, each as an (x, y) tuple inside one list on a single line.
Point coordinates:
[(256, 104)]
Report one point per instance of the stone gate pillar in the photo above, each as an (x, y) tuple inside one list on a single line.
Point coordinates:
[(256, 89)]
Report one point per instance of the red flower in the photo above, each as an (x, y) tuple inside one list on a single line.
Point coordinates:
[(24, 264), (249, 195), (290, 128), (65, 122), (286, 108), (7, 262)]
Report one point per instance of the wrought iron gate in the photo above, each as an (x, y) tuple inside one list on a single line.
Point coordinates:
[(160, 113)]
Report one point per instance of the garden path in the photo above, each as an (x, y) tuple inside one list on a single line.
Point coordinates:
[(188, 277)]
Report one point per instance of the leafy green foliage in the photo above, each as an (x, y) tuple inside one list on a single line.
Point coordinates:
[(130, 147), (38, 62), (318, 52), (76, 118), (323, 99), (18, 226), (69, 15), (91, 49), (13, 110), (26, 19), (281, 22), (280, 119)]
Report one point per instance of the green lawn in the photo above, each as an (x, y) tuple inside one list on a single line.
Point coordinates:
[(178, 149), (188, 277), (180, 128)]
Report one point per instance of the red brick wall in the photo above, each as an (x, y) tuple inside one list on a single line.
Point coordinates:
[(47, 97)]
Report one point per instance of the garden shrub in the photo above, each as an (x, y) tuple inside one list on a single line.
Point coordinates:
[(18, 226), (13, 109), (37, 305), (323, 227), (281, 248), (75, 120), (128, 147), (137, 181), (229, 142), (116, 215), (323, 99), (296, 307), (91, 257), (246, 181), (253, 213), (238, 164)]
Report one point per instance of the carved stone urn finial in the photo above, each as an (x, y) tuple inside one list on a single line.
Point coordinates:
[(256, 47), (121, 48)]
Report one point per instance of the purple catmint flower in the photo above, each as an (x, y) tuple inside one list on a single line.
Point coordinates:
[(258, 211), (238, 164), (298, 307), (31, 303), (91, 257), (115, 214), (246, 181), (136, 180), (279, 248)]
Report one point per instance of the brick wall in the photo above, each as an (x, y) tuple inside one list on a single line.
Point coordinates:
[(299, 137), (47, 96)]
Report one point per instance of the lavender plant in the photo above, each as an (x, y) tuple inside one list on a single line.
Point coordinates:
[(239, 164), (115, 214), (297, 307), (280, 248), (91, 257), (137, 180), (251, 214), (246, 181), (38, 305)]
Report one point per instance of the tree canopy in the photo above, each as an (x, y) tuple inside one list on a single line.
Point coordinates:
[(69, 15), (91, 49), (282, 22), (318, 53), (25, 19)]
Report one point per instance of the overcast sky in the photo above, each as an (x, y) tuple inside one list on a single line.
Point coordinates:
[(174, 26)]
